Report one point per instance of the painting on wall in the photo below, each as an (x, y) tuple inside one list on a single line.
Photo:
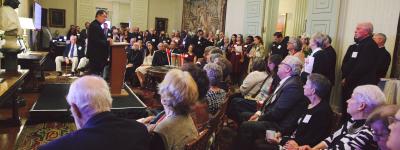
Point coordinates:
[(208, 15), (281, 23), (57, 18), (161, 24)]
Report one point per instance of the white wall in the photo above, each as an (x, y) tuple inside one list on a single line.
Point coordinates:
[(171, 9), (235, 11), (383, 15), (70, 12)]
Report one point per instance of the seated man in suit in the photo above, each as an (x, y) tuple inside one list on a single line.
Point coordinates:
[(98, 128), (280, 111), (135, 59), (161, 57), (72, 53)]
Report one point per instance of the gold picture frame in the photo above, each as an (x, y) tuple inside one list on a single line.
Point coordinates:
[(57, 18)]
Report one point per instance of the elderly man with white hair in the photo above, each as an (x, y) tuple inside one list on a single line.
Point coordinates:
[(280, 111), (72, 53), (355, 134), (90, 101), (358, 66)]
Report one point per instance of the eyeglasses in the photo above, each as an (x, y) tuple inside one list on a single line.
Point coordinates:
[(393, 120)]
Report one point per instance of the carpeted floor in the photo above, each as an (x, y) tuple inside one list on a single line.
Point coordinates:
[(37, 134), (33, 135)]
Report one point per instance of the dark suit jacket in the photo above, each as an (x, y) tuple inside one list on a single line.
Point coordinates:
[(331, 57), (97, 49), (279, 48), (199, 46), (383, 63), (160, 58), (321, 65), (135, 57), (287, 107), (82, 37), (80, 52), (104, 131), (360, 70)]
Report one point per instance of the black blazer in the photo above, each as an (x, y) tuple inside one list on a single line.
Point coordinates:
[(199, 46), (330, 55), (321, 65), (287, 107), (360, 70), (383, 63), (97, 48), (160, 58), (104, 131), (79, 48)]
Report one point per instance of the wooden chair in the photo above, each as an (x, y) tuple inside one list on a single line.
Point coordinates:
[(201, 142), (336, 123)]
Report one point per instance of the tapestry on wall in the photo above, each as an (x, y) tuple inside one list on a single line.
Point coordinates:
[(208, 15)]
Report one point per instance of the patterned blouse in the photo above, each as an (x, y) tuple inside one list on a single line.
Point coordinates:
[(214, 100), (352, 135)]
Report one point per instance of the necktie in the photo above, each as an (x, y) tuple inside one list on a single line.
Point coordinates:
[(71, 54)]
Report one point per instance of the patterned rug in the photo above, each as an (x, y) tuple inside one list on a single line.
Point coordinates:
[(32, 136)]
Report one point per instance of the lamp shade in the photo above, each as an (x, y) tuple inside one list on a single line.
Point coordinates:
[(26, 23)]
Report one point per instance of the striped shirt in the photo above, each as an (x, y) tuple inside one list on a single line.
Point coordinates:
[(352, 135)]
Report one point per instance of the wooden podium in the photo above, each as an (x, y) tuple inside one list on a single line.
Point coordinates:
[(118, 67)]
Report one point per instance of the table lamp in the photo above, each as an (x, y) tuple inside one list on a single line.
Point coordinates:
[(26, 24)]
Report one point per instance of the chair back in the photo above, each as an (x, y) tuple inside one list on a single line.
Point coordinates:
[(201, 142)]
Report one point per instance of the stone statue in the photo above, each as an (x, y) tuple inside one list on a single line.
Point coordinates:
[(9, 23)]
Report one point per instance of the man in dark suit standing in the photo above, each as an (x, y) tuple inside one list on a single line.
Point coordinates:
[(330, 53), (280, 111), (279, 46), (98, 44), (358, 67), (84, 34), (384, 57), (200, 43), (98, 128)]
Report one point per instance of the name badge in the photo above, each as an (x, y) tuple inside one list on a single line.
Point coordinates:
[(307, 119), (80, 47), (109, 34), (184, 42), (245, 46), (354, 55), (279, 46), (153, 40), (198, 42), (139, 37)]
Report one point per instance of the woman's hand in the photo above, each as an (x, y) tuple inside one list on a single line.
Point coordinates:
[(291, 145), (275, 140), (305, 147)]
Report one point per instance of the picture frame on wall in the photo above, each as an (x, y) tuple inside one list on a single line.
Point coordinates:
[(57, 18), (161, 24)]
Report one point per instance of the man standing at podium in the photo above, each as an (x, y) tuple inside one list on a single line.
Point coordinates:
[(98, 44)]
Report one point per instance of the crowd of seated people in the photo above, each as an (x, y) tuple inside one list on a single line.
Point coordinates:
[(286, 92)]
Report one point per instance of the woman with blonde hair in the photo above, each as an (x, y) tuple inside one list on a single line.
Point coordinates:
[(178, 92)]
